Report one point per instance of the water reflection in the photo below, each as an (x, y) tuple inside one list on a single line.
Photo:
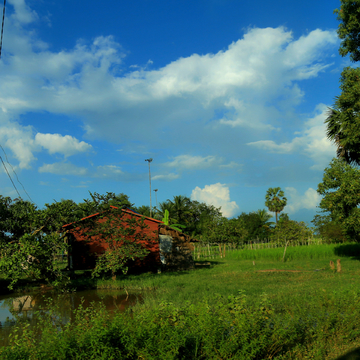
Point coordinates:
[(26, 307)]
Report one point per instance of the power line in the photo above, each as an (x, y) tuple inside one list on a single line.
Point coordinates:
[(2, 27), (10, 177), (16, 174), (1, 40)]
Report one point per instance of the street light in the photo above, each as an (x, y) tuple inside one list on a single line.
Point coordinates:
[(149, 161), (156, 190)]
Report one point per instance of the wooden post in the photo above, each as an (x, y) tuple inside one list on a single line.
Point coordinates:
[(338, 265), (283, 259)]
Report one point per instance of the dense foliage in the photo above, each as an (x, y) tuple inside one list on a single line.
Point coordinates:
[(343, 122), (340, 189), (340, 186), (32, 238), (328, 229), (349, 28), (257, 225), (291, 231)]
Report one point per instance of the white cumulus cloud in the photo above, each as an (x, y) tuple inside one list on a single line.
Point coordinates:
[(217, 195), (309, 200), (192, 162), (166, 177), (22, 12), (108, 171), (261, 68), (312, 141), (56, 143), (19, 139), (63, 169)]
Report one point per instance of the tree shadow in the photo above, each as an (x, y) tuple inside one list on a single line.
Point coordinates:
[(348, 250), (206, 264), (351, 355), (82, 280)]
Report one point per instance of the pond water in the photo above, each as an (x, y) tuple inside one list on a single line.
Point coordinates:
[(25, 306)]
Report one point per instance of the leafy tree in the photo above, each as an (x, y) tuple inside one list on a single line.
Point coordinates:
[(222, 231), (340, 189), (4, 215), (340, 185), (99, 202), (343, 121), (192, 214), (32, 257), (18, 217), (143, 210), (275, 201), (284, 217), (291, 230), (328, 229), (256, 225), (349, 28), (31, 237), (119, 200), (59, 213), (199, 216)]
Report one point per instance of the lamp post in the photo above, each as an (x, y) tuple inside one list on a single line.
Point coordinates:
[(156, 190), (149, 161)]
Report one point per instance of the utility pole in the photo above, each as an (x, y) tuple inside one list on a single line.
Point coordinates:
[(2, 27), (149, 161)]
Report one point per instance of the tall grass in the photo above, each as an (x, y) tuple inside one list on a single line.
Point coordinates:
[(307, 252), (292, 253), (211, 251)]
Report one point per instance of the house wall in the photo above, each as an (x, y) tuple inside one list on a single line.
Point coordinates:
[(176, 253)]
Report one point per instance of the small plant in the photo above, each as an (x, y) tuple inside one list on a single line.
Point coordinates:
[(166, 221)]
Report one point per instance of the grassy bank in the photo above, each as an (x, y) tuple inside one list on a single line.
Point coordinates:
[(232, 327), (249, 305)]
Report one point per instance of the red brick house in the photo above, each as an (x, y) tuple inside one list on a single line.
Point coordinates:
[(167, 247)]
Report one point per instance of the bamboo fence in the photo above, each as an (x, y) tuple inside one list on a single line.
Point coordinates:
[(205, 250)]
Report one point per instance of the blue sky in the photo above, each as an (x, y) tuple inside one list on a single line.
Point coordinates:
[(228, 98)]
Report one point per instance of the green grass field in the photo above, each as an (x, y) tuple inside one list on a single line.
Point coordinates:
[(249, 305), (237, 272)]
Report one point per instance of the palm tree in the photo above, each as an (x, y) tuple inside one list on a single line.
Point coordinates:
[(275, 201), (181, 208), (341, 130), (264, 218)]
